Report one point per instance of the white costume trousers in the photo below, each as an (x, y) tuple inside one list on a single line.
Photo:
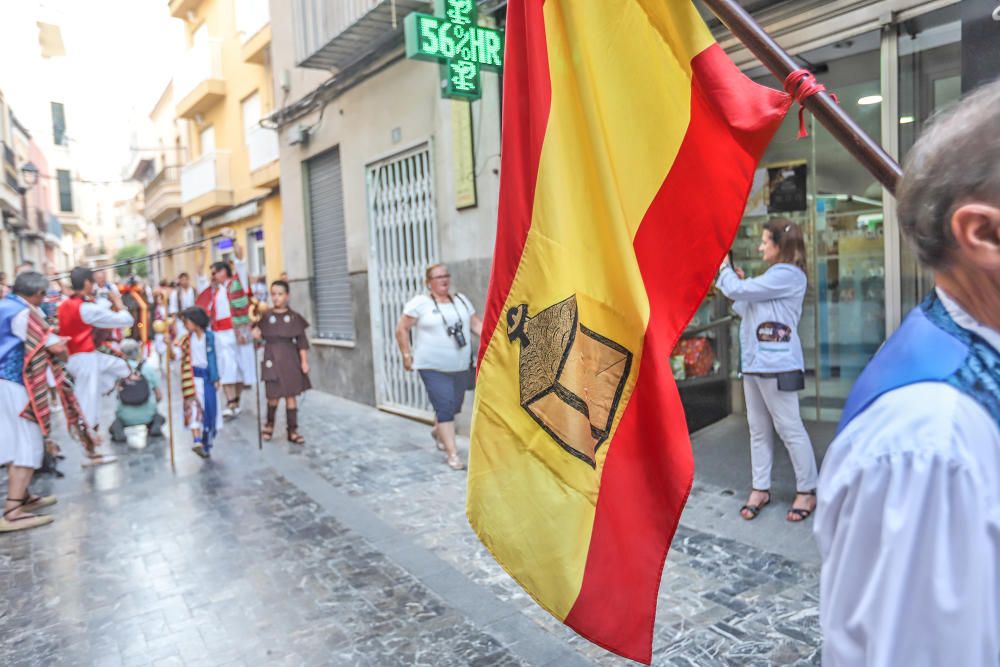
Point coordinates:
[(21, 443), (94, 375), (768, 410), (237, 363)]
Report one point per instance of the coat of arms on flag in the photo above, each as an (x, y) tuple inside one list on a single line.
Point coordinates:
[(571, 378)]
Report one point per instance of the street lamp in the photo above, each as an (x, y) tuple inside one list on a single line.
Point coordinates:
[(30, 174)]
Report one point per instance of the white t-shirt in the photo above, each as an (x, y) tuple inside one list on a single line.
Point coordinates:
[(199, 350), (433, 348)]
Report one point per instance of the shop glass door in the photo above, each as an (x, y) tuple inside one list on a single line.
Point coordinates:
[(817, 184)]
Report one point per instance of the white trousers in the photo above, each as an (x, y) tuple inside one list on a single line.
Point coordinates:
[(236, 363), (768, 410), (94, 375)]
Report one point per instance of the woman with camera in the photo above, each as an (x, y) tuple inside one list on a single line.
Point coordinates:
[(773, 368), (441, 323)]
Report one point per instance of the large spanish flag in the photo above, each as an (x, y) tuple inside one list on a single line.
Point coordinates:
[(629, 145)]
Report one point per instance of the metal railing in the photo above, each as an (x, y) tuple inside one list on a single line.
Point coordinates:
[(320, 21), (163, 177), (209, 173)]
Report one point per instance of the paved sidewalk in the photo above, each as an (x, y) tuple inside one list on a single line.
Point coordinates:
[(351, 550)]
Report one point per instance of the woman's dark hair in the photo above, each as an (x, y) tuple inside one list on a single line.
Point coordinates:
[(196, 316), (283, 285), (791, 244)]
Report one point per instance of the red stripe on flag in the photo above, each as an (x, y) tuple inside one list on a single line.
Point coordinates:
[(683, 237), (527, 97)]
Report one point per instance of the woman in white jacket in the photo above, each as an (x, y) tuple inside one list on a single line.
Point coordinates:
[(773, 368)]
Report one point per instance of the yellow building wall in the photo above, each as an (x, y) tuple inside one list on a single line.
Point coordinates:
[(242, 80)]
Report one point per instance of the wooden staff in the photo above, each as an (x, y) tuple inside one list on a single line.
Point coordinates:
[(168, 329), (865, 149), (260, 308)]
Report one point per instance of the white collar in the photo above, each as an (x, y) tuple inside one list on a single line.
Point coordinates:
[(968, 322)]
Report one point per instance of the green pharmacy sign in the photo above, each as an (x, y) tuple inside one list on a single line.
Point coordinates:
[(453, 38)]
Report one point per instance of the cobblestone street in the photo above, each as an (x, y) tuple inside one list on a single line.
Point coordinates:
[(351, 550)]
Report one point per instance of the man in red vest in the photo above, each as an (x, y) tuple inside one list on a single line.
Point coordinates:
[(227, 303), (95, 372)]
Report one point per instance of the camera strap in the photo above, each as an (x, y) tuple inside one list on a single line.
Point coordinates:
[(437, 307)]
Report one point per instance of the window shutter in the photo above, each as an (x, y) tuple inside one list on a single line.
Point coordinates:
[(333, 305)]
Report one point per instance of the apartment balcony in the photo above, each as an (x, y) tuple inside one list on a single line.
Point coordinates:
[(332, 34), (70, 224), (262, 147), (253, 23), (199, 84), (205, 185), (163, 196), (179, 8)]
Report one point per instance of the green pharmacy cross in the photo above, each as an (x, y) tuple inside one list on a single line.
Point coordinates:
[(452, 37)]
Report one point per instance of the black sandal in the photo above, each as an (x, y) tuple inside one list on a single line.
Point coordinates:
[(296, 438), (755, 509), (267, 432), (796, 511)]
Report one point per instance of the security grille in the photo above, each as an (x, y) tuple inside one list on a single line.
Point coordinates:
[(404, 243), (332, 287)]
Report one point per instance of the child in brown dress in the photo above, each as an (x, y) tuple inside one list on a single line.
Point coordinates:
[(285, 369)]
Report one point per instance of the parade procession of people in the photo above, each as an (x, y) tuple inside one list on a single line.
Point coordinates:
[(95, 347)]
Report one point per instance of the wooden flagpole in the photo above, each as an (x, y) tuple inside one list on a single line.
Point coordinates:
[(829, 113)]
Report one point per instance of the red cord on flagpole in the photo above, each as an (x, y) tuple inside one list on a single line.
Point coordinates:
[(801, 84), (843, 128)]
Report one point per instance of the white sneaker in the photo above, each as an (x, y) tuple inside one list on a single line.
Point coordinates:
[(227, 413)]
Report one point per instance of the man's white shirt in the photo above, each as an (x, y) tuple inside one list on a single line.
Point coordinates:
[(908, 524)]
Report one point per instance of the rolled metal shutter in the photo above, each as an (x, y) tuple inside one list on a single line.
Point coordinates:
[(331, 283)]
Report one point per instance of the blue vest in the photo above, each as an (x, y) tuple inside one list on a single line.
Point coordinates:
[(11, 347), (930, 347)]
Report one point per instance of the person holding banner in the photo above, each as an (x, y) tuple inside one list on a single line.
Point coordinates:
[(908, 521), (227, 304)]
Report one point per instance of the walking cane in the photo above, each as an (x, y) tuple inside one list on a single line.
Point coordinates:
[(256, 368), (168, 325), (259, 309)]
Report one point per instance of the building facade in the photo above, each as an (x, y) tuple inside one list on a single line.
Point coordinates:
[(223, 88), (376, 186), (382, 177)]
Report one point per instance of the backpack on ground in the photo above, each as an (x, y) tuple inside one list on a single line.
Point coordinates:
[(134, 389)]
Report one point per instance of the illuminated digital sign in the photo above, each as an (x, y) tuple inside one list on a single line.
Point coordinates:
[(453, 38)]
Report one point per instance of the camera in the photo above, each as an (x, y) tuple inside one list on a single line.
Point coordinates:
[(457, 333)]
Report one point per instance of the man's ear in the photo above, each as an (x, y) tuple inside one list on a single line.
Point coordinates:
[(976, 228)]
